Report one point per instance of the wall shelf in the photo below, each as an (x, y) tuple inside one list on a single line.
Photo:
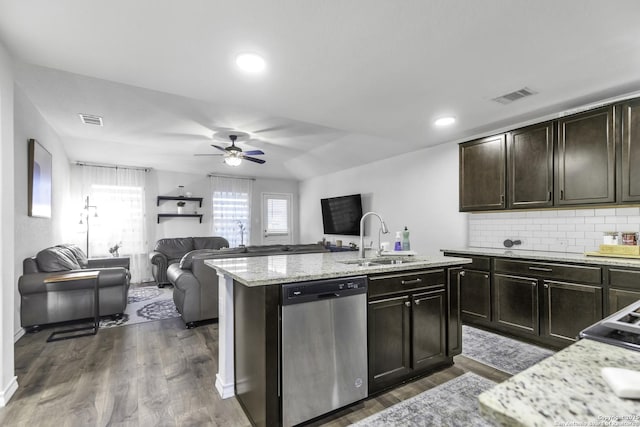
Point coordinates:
[(175, 215), (184, 199)]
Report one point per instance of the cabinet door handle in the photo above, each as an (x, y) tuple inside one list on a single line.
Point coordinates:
[(486, 276), (502, 199), (411, 282), (462, 273), (546, 286), (561, 194), (407, 303), (534, 284), (548, 270), (417, 302)]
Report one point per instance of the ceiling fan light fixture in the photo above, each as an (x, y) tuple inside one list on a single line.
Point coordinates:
[(233, 160), (445, 121), (250, 62)]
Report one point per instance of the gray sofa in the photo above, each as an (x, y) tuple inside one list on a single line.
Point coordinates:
[(195, 285), (171, 250), (43, 303)]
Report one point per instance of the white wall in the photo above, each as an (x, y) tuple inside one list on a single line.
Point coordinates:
[(34, 234), (164, 183), (419, 190), (8, 380)]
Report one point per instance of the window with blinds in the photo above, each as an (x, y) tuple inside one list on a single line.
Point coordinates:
[(277, 216), (231, 217)]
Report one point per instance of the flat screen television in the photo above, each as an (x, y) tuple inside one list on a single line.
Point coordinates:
[(341, 215)]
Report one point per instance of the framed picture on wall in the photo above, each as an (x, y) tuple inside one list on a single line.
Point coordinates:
[(40, 174)]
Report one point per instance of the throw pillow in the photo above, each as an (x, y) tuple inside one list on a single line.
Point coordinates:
[(81, 258), (56, 259)]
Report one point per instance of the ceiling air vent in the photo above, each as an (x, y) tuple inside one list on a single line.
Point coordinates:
[(514, 96), (89, 119)]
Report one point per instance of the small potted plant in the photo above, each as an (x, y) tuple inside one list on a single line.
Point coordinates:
[(181, 206), (114, 249)]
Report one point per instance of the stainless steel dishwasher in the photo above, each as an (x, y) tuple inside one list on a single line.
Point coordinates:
[(324, 347)]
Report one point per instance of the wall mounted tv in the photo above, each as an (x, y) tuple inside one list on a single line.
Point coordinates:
[(341, 215)]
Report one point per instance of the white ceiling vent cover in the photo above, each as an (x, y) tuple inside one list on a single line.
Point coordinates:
[(514, 96), (89, 119)]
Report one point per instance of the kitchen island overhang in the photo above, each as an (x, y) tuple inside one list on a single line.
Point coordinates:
[(263, 276)]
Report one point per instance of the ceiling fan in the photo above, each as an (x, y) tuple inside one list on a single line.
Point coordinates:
[(233, 155)]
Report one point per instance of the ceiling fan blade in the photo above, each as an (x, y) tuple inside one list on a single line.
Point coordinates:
[(208, 155), (253, 152), (253, 159), (218, 147)]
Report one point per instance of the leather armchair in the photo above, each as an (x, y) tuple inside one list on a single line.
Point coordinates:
[(43, 303), (171, 250)]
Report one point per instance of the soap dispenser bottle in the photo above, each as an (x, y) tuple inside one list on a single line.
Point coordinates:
[(398, 244), (406, 246)]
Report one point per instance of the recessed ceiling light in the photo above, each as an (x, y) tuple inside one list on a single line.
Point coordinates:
[(445, 121), (250, 62)]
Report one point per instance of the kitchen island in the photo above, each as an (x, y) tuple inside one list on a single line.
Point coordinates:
[(565, 389), (250, 304)]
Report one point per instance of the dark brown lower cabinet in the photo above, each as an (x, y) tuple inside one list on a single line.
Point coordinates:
[(389, 338), (428, 335), (569, 308), (554, 311), (620, 298), (516, 303), (454, 316), (624, 288), (475, 296), (407, 335)]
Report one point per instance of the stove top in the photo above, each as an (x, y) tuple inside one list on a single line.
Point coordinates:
[(622, 328)]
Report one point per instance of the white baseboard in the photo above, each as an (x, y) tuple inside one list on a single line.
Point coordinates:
[(224, 390), (8, 391), (19, 334)]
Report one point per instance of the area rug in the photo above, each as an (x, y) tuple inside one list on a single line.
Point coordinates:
[(506, 354), (454, 403), (145, 304)]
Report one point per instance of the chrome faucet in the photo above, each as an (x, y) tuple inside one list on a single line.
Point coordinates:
[(383, 228)]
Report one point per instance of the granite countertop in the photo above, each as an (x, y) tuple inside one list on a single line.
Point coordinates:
[(565, 388), (279, 269), (547, 256)]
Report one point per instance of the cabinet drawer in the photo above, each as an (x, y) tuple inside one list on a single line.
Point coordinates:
[(563, 272), (625, 279), (394, 283), (478, 262)]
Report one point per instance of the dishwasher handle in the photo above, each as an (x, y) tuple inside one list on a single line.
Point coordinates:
[(329, 295)]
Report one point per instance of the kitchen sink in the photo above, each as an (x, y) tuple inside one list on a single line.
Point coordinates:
[(370, 262)]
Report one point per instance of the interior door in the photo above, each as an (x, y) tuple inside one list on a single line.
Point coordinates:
[(276, 219)]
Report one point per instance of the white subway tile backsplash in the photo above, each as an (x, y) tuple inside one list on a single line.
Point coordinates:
[(605, 212), (566, 227), (585, 212), (594, 220), (627, 211), (574, 231), (615, 220), (585, 227)]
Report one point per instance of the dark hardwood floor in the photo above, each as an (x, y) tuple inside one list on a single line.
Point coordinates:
[(153, 374)]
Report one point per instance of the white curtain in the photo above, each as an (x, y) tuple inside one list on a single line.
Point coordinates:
[(116, 215), (231, 198)]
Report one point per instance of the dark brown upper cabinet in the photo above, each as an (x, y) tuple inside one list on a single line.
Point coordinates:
[(482, 174), (630, 159), (586, 158), (530, 167)]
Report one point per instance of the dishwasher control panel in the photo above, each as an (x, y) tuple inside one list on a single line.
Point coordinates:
[(295, 293)]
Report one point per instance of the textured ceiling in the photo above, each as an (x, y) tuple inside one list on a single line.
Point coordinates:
[(347, 82)]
